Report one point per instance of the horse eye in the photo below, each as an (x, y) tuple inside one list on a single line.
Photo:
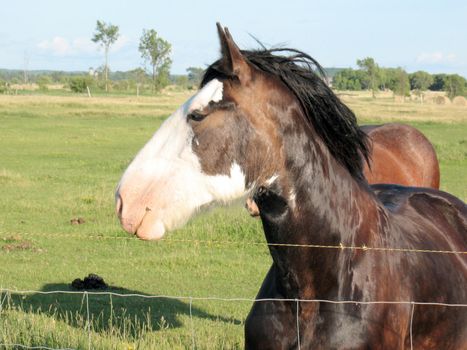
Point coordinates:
[(196, 116)]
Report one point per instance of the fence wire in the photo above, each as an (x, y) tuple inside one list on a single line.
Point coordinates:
[(85, 294), (209, 243), (236, 299)]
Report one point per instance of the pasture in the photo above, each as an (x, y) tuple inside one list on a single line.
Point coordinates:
[(61, 158)]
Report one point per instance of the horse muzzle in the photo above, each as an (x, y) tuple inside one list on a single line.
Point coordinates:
[(141, 222)]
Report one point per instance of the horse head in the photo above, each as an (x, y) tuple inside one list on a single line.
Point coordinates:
[(216, 147)]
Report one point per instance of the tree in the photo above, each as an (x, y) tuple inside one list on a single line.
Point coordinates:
[(195, 74), (369, 65), (348, 79), (180, 80), (438, 82), (156, 51), (454, 85), (138, 75), (80, 83), (3, 86), (420, 80), (43, 82), (106, 35), (402, 84), (383, 78)]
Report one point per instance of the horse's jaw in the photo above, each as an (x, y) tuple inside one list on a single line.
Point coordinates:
[(165, 184)]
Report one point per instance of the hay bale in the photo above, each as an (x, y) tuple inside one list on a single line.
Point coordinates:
[(442, 100), (459, 101)]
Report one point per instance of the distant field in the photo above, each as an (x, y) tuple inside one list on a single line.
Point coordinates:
[(60, 159)]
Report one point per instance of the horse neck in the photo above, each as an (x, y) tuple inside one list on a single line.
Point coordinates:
[(329, 207)]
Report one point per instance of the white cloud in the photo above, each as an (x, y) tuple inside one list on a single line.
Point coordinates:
[(436, 57), (61, 46), (83, 45), (121, 42), (57, 45)]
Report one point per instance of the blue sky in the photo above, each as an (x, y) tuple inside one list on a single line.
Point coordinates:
[(413, 34)]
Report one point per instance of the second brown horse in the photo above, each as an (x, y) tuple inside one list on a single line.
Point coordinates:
[(401, 155)]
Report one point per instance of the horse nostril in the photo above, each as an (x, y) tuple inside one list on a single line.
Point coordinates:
[(119, 206)]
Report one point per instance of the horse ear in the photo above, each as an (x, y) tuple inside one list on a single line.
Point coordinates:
[(233, 62)]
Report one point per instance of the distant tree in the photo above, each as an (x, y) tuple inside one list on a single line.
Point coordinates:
[(438, 82), (348, 79), (106, 35), (382, 78), (195, 74), (391, 77), (182, 81), (402, 84), (454, 85), (139, 76), (163, 76), (3, 86), (101, 75), (80, 83), (156, 51), (369, 65), (420, 80), (55, 76), (339, 81), (356, 85), (43, 82)]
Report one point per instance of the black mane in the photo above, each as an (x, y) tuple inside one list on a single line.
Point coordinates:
[(334, 122)]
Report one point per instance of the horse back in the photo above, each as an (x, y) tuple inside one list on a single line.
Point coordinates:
[(436, 218), (401, 154)]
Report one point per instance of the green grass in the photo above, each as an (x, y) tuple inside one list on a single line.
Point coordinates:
[(61, 158)]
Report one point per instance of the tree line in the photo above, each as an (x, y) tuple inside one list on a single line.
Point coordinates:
[(155, 74), (370, 76)]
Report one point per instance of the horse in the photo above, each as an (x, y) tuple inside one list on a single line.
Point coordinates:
[(399, 154), (264, 123)]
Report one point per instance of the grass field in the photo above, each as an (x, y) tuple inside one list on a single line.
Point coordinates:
[(60, 159)]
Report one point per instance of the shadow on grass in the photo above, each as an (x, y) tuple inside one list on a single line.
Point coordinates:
[(126, 316)]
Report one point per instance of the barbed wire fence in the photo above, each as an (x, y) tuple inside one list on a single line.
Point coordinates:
[(341, 246), (6, 293)]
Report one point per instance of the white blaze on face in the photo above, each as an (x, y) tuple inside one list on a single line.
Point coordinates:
[(164, 185)]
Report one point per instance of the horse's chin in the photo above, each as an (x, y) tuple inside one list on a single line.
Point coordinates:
[(151, 231)]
